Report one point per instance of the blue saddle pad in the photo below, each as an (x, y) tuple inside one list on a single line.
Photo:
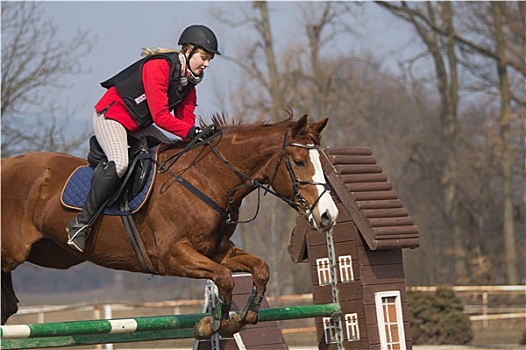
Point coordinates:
[(77, 187)]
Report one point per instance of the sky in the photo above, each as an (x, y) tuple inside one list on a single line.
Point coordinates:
[(121, 28)]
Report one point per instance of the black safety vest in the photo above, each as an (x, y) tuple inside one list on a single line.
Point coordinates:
[(129, 86)]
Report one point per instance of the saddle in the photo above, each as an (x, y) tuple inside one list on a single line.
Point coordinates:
[(138, 170), (131, 195), (135, 184)]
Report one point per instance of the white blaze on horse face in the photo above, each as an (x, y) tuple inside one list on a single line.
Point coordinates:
[(326, 208)]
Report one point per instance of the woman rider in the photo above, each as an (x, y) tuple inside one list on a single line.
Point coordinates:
[(142, 94)]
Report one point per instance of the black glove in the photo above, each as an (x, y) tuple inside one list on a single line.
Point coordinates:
[(201, 134), (209, 131), (193, 132)]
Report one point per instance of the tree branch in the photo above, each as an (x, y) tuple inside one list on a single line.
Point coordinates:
[(400, 11)]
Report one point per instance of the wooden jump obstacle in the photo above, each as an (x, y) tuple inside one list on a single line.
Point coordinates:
[(362, 262), (60, 334), (356, 271)]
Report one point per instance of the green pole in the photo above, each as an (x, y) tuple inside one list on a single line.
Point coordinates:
[(116, 326), (91, 339), (295, 312), (157, 323)]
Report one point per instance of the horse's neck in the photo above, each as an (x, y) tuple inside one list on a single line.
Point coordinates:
[(251, 155)]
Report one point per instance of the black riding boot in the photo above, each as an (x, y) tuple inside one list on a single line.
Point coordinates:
[(103, 184)]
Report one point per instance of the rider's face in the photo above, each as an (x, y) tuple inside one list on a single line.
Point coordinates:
[(200, 61)]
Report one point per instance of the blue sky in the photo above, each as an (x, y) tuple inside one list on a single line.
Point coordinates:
[(122, 28)]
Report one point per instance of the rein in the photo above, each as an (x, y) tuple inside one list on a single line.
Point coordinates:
[(194, 143), (228, 214)]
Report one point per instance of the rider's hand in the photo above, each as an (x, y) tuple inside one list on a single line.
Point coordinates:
[(194, 131), (208, 132), (202, 134)]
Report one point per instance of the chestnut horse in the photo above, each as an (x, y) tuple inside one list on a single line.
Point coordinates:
[(184, 234)]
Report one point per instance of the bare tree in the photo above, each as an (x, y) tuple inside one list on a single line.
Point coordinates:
[(425, 18), (33, 63), (499, 13), (494, 55), (486, 35), (258, 63), (317, 79)]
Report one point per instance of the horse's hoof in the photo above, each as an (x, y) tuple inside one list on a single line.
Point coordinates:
[(233, 326), (203, 328), (251, 317)]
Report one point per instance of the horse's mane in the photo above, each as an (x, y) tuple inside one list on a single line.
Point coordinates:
[(221, 120)]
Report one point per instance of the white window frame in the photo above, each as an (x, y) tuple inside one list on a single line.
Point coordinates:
[(329, 330), (346, 270), (379, 297), (352, 326), (323, 267)]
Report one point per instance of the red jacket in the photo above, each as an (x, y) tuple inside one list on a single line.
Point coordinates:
[(155, 76)]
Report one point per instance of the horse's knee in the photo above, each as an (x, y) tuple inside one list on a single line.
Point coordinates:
[(224, 281), (261, 272)]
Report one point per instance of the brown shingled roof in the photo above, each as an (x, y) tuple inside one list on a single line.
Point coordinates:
[(367, 195)]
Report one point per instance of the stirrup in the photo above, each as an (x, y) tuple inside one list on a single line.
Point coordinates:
[(81, 233)]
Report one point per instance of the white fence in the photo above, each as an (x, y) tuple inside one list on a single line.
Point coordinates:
[(484, 310), (479, 303)]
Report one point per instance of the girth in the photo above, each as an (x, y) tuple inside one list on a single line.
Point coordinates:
[(226, 217)]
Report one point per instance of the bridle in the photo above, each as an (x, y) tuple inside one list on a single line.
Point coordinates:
[(298, 202)]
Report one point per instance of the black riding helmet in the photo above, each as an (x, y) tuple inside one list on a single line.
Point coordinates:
[(200, 36)]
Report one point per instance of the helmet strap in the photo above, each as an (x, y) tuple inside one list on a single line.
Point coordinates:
[(185, 68), (194, 50)]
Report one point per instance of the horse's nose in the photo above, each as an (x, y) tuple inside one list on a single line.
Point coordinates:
[(326, 220)]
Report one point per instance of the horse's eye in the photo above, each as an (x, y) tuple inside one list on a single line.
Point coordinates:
[(299, 163)]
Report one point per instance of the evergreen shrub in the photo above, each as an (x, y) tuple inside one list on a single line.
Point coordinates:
[(438, 318)]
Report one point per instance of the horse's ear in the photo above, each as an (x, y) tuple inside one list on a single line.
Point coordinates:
[(319, 126), (300, 125)]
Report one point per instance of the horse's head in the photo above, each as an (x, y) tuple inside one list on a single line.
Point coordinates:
[(298, 175)]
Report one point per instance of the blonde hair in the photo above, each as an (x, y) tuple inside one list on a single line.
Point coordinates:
[(186, 47), (146, 51)]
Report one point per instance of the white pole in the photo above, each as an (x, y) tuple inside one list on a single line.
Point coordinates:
[(96, 316), (107, 315)]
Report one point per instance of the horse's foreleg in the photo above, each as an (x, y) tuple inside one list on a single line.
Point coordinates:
[(252, 306), (187, 262), (237, 260)]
